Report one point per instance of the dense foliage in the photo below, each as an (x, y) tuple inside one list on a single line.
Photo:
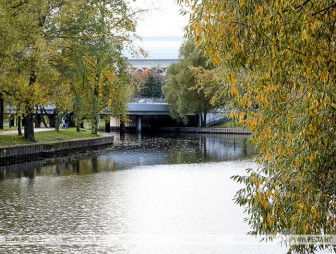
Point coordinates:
[(151, 87), (180, 91), (66, 53), (278, 58)]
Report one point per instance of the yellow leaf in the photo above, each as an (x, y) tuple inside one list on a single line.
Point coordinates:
[(260, 10), (216, 59)]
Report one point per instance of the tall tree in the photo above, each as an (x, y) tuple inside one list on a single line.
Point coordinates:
[(24, 58), (4, 44), (179, 91), (79, 41), (91, 36), (152, 86), (280, 59)]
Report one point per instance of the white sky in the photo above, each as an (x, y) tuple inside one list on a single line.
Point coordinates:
[(162, 19)]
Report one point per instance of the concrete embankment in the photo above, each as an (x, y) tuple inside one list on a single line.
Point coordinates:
[(41, 150), (206, 130)]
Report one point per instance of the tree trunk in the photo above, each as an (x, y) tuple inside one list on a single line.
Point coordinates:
[(2, 112), (19, 125), (42, 109), (95, 113), (29, 118), (122, 128), (94, 117), (72, 120), (94, 124), (107, 124), (57, 119), (29, 126), (77, 122)]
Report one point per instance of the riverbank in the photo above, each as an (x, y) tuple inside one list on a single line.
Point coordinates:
[(33, 151), (135, 150), (71, 142), (10, 137)]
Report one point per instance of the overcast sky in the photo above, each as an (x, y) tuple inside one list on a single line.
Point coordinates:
[(162, 19)]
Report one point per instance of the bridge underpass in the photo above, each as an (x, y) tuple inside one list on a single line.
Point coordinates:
[(146, 109), (149, 115), (140, 116)]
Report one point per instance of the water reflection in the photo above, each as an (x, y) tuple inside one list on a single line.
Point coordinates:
[(163, 194), (151, 209), (132, 150)]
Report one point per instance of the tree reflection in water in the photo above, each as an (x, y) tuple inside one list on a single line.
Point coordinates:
[(132, 150)]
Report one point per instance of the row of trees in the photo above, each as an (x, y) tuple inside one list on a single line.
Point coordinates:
[(65, 53), (278, 60)]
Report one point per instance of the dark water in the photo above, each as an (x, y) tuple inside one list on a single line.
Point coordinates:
[(132, 150), (162, 194)]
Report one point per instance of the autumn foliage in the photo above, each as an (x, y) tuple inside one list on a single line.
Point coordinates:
[(65, 53), (278, 58)]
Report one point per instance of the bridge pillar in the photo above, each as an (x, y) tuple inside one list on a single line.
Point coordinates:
[(138, 123)]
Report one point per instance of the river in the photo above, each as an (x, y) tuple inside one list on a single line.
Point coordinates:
[(164, 194)]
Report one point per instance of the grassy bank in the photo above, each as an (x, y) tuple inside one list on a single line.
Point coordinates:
[(64, 134)]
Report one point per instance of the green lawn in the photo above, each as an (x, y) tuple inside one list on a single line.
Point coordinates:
[(64, 134)]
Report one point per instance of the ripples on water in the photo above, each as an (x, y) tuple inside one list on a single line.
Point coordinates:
[(148, 195)]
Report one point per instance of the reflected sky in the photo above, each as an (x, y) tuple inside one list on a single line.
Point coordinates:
[(180, 208), (147, 194)]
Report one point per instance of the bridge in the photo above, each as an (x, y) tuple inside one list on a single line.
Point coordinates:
[(152, 111), (149, 108), (141, 109), (158, 110), (147, 113), (144, 109)]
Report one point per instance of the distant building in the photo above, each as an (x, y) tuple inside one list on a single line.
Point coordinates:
[(162, 52)]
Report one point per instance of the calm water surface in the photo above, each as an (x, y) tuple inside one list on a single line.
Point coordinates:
[(149, 195)]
